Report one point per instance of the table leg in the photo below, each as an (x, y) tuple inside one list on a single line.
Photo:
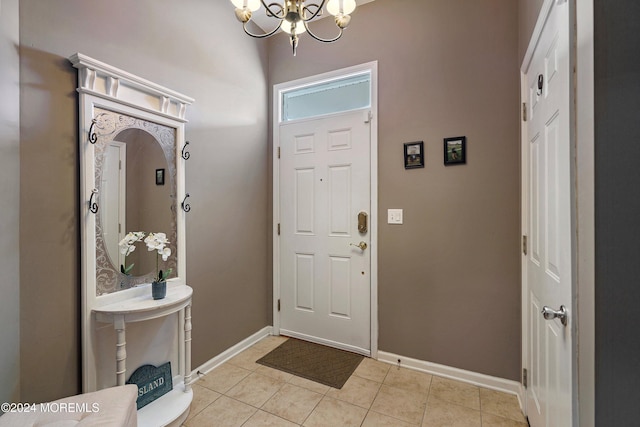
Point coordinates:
[(121, 350), (187, 348)]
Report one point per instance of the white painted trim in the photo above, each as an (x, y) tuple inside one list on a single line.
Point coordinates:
[(218, 360), (469, 377), (103, 80), (371, 67), (585, 146), (524, 224)]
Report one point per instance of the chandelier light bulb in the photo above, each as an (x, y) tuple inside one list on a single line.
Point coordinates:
[(286, 27), (341, 7), (252, 5)]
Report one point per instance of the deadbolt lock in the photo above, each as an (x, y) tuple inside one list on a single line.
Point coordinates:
[(362, 222)]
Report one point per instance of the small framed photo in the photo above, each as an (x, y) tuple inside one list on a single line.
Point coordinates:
[(159, 176), (455, 150), (414, 155)]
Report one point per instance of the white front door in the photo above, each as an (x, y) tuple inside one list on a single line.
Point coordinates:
[(549, 225), (325, 279)]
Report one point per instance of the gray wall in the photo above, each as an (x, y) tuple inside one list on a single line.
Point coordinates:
[(617, 209), (449, 278), (10, 206), (194, 47)]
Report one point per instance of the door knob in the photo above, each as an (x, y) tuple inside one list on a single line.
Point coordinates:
[(361, 245), (551, 314)]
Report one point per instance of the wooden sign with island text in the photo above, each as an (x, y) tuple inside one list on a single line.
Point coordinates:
[(152, 382)]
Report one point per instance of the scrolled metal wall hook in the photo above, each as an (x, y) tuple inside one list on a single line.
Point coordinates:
[(93, 138), (93, 206), (185, 154), (186, 206)]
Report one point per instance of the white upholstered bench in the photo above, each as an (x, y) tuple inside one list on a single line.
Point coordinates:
[(110, 407)]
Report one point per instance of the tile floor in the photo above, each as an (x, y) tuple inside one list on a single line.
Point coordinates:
[(243, 393)]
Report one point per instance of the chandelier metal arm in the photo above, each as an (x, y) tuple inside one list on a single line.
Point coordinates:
[(261, 36), (320, 39), (318, 11), (270, 13)]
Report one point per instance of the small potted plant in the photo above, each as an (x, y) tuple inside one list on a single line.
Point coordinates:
[(155, 242), (158, 242)]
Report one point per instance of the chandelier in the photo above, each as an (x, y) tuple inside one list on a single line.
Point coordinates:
[(293, 16)]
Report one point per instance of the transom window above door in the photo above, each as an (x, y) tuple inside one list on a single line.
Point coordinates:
[(346, 93)]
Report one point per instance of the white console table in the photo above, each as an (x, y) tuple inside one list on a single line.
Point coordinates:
[(176, 403)]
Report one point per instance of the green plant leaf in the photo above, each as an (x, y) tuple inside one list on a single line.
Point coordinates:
[(164, 275), (126, 270)]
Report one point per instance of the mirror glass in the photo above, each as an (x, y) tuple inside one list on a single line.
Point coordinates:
[(136, 182)]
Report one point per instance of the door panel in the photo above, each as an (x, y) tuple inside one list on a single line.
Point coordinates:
[(324, 183), (549, 266)]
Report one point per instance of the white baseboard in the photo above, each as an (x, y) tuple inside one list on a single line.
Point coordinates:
[(481, 380), (469, 377), (218, 360)]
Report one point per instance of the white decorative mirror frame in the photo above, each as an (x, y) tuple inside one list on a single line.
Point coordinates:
[(120, 97)]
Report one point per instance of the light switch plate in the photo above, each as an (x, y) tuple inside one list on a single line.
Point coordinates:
[(394, 216)]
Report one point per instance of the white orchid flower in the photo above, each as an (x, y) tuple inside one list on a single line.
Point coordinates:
[(165, 252), (127, 245), (156, 241), (130, 249)]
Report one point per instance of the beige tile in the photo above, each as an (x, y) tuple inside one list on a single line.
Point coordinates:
[(405, 405), (224, 412), (247, 359), (408, 379), (222, 378), (445, 414), (274, 373), (456, 392), (292, 403), (374, 419), (309, 385), (356, 390), (489, 420), (332, 412), (269, 343), (261, 418), (372, 369), (202, 397), (500, 404), (255, 389)]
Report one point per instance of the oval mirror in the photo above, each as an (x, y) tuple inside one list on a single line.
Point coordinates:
[(135, 176)]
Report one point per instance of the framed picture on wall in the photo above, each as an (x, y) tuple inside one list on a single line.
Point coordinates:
[(159, 176), (455, 150), (414, 155)]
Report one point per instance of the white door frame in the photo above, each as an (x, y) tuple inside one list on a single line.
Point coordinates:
[(584, 413), (371, 67), (583, 247)]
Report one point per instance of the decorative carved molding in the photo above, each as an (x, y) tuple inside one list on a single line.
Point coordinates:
[(105, 81)]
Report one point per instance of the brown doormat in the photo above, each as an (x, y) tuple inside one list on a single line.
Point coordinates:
[(315, 362)]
